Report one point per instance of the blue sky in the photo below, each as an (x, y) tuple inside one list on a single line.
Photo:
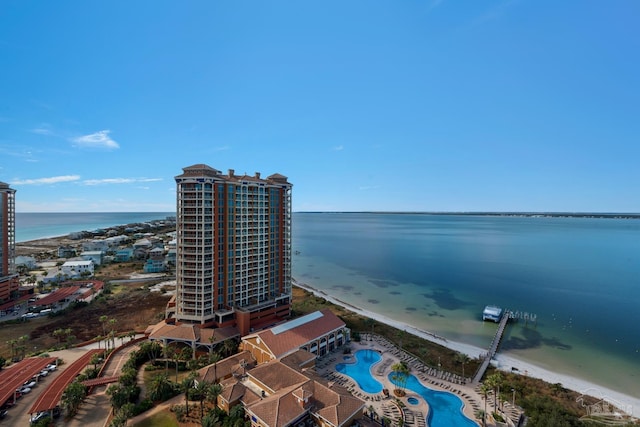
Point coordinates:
[(364, 105)]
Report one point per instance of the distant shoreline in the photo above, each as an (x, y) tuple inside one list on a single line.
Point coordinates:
[(593, 215)]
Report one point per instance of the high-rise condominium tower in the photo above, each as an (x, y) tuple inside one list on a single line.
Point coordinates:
[(233, 264), (8, 277)]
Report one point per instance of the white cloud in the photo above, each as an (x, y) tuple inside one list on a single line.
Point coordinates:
[(50, 180), (100, 139), (43, 129), (338, 148), (118, 181)]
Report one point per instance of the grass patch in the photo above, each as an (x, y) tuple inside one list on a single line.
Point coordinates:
[(159, 419)]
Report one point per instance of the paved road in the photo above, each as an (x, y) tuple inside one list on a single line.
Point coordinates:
[(95, 411)]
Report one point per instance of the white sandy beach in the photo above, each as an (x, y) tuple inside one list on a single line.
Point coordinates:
[(629, 404)]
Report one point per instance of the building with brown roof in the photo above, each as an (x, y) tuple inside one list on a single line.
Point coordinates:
[(275, 394), (318, 333), (233, 249), (233, 366), (199, 339), (9, 283)]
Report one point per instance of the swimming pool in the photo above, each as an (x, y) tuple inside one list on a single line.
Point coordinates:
[(360, 371), (445, 409)]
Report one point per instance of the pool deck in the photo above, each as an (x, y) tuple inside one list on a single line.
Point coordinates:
[(413, 415)]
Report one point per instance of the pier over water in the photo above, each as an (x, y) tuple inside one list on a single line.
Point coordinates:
[(493, 348)]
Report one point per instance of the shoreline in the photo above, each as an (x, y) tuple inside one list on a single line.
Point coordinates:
[(627, 403)]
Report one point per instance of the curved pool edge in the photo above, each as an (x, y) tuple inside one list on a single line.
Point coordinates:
[(462, 420)]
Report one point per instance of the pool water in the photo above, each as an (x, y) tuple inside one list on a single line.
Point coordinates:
[(445, 409), (413, 401), (360, 371)]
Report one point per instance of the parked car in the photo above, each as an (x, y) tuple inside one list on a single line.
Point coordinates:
[(44, 373), (51, 367), (37, 417), (3, 413), (30, 384), (25, 390)]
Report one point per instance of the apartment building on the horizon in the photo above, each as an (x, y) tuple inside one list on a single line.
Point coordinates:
[(8, 277), (233, 244)]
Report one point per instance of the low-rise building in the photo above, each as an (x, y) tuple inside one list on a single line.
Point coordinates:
[(124, 255), (66, 252), (154, 265), (74, 269), (318, 333), (95, 256), (95, 245)]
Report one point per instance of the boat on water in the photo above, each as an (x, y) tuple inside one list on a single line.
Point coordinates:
[(492, 313)]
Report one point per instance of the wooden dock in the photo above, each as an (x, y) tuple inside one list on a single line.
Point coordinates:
[(493, 348)]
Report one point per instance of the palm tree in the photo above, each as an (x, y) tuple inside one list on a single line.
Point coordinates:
[(58, 333), (462, 359), (186, 385), (229, 347), (400, 374), (213, 392), (151, 349), (177, 357), (214, 359), (112, 323), (494, 381), (22, 347), (160, 388), (236, 416), (484, 389), (95, 359), (12, 344), (168, 354), (112, 336), (212, 339), (201, 389), (103, 320)]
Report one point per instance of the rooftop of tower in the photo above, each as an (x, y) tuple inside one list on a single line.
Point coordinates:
[(202, 169)]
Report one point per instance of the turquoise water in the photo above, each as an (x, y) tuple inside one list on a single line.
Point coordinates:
[(31, 226), (445, 409), (360, 371), (580, 276)]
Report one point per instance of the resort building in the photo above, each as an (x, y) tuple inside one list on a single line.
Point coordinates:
[(233, 249), (9, 283), (282, 393), (318, 333)]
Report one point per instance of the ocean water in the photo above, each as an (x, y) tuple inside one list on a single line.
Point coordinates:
[(579, 276), (31, 226)]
